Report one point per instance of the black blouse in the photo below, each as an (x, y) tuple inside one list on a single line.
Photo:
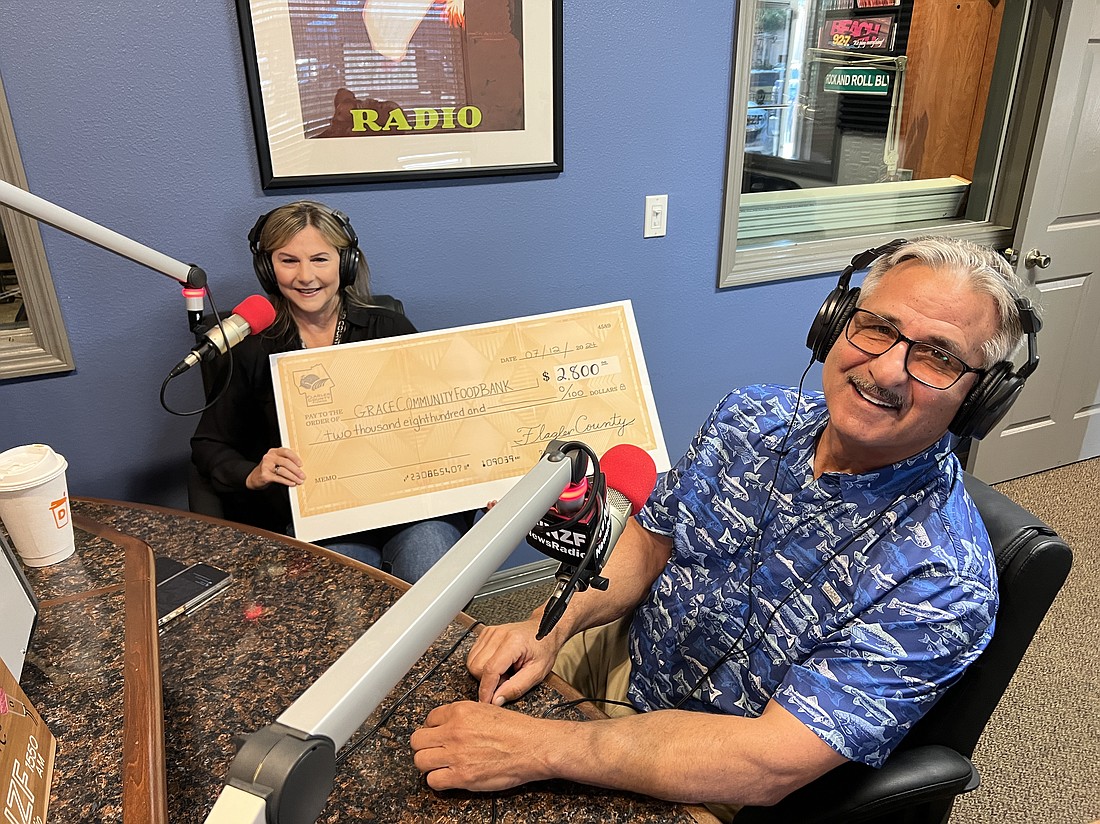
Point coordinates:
[(236, 432)]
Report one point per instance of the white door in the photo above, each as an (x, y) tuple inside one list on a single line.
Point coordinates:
[(1056, 420)]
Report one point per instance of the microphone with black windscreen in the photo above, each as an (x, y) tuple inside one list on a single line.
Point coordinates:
[(251, 315), (626, 478)]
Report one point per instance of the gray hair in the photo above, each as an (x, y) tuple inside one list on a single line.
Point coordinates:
[(986, 270)]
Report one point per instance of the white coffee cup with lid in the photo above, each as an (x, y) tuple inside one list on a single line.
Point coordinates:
[(34, 504)]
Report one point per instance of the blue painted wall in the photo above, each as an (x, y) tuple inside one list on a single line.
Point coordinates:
[(135, 115)]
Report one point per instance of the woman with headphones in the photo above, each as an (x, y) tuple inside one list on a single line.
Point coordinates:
[(307, 258)]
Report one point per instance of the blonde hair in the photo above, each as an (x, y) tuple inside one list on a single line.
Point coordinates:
[(279, 228)]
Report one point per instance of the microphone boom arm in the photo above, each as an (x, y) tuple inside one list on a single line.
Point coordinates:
[(47, 212), (285, 772)]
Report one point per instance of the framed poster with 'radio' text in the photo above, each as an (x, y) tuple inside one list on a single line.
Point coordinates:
[(382, 90)]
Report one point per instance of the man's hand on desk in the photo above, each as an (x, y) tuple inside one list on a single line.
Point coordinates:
[(474, 746), (479, 745), (676, 755), (508, 661)]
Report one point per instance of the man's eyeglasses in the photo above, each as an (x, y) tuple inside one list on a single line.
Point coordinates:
[(928, 364)]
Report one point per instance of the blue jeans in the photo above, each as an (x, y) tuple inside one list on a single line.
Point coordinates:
[(407, 551)]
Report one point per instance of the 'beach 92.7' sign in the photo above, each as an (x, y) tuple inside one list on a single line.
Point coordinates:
[(858, 33)]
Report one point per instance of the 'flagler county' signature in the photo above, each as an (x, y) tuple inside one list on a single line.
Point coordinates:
[(581, 425)]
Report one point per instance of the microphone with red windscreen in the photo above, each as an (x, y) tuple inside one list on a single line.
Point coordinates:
[(628, 475), (251, 315)]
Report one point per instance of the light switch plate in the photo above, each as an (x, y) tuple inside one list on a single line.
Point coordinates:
[(656, 216)]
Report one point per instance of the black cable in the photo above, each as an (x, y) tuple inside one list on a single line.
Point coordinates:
[(351, 749), (781, 453), (593, 499), (868, 524), (221, 390), (576, 702), (591, 516)]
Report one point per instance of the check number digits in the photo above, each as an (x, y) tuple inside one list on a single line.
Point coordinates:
[(499, 460), (435, 472)]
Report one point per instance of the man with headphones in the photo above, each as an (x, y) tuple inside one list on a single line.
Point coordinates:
[(805, 582), (307, 258)]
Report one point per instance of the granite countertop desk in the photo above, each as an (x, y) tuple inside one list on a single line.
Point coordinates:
[(127, 752)]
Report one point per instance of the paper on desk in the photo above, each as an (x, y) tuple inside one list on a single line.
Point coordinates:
[(400, 429)]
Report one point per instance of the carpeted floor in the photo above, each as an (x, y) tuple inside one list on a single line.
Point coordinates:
[(1040, 755), (513, 605)]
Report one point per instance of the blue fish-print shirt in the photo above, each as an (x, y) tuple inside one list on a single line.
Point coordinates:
[(865, 596)]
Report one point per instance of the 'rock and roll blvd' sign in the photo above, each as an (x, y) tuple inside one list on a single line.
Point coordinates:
[(858, 81)]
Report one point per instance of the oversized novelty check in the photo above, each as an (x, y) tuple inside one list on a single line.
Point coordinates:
[(400, 429)]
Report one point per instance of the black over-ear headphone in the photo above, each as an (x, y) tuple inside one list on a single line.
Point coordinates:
[(996, 388), (265, 271)]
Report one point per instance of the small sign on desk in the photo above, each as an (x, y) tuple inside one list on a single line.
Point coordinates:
[(26, 756)]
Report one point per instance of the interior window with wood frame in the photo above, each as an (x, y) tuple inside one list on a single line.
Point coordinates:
[(864, 116)]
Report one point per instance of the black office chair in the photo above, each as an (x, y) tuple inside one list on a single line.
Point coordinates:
[(201, 495), (919, 782)]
